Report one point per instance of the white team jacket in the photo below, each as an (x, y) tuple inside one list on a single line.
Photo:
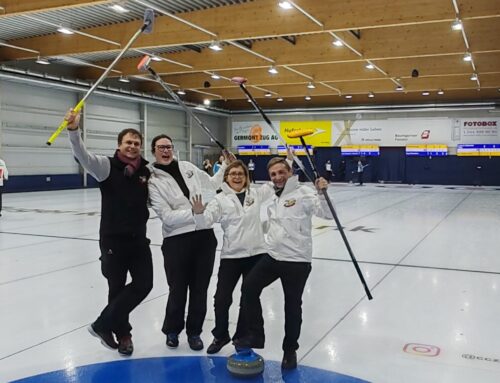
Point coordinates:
[(290, 222), (243, 232), (4, 173), (169, 202)]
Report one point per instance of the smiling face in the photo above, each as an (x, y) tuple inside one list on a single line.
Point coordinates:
[(279, 173), (236, 179), (130, 146), (164, 151)]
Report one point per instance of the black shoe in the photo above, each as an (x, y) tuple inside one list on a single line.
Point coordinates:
[(125, 345), (172, 340), (289, 361), (217, 344), (195, 342), (106, 337)]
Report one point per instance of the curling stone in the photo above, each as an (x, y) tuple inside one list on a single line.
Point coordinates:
[(245, 363)]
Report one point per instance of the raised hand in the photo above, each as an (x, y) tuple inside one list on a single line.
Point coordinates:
[(73, 119), (197, 204), (321, 183)]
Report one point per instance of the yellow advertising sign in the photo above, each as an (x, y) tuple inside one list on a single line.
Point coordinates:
[(321, 136)]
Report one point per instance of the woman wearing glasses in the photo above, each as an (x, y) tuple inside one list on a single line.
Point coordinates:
[(237, 208), (188, 252)]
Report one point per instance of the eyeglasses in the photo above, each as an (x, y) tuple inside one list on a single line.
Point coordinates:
[(164, 148), (236, 174)]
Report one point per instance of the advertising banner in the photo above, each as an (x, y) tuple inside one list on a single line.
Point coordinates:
[(321, 136)]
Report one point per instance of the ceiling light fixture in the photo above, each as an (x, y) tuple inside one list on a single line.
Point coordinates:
[(399, 88), (457, 25), (215, 46), (123, 79), (371, 95), (273, 70), (215, 76), (279, 99), (311, 85), (181, 92), (119, 8), (155, 58), (467, 57), (268, 94), (206, 102), (338, 43), (348, 96), (369, 66), (473, 77), (65, 30), (440, 92), (307, 98), (42, 61), (425, 93), (285, 4)]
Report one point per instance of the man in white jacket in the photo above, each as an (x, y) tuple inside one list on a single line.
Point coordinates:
[(4, 175), (289, 241), (188, 253)]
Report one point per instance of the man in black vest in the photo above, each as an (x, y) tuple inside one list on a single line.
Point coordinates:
[(123, 180)]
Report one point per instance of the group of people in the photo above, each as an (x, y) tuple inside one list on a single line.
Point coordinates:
[(257, 253)]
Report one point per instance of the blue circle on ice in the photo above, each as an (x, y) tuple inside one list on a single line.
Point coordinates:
[(191, 369)]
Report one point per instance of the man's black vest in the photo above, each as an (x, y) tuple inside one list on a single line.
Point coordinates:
[(124, 211)]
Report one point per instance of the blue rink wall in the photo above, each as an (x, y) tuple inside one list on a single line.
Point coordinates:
[(392, 166)]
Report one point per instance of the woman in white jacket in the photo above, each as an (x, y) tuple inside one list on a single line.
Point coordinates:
[(237, 209), (188, 253)]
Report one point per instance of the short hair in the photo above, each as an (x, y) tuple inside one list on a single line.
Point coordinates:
[(238, 164), (278, 160), (156, 139), (131, 131)]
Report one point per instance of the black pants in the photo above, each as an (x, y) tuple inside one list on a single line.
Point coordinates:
[(1, 190), (189, 262), (293, 277), (230, 271), (119, 257), (250, 173), (360, 178)]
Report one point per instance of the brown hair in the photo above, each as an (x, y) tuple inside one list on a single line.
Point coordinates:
[(278, 160), (132, 132), (238, 164)]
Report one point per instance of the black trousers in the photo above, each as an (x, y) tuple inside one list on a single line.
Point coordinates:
[(360, 178), (250, 173), (1, 190), (189, 262), (293, 277), (230, 271), (120, 256)]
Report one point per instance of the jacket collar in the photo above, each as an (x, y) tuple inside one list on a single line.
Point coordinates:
[(291, 184)]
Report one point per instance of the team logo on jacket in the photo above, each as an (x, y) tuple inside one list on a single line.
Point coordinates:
[(249, 201), (290, 202), (189, 173)]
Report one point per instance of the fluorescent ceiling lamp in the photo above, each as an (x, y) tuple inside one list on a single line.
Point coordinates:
[(457, 25), (273, 70), (206, 102), (285, 4), (119, 8), (308, 98), (467, 57), (65, 30), (279, 99), (215, 46), (155, 58), (268, 94), (348, 96), (123, 79), (181, 92), (42, 61), (311, 85), (371, 95), (473, 77), (338, 43), (440, 92), (399, 88), (425, 93), (215, 76), (369, 66)]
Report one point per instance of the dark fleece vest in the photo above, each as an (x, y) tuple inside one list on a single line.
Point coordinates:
[(124, 211)]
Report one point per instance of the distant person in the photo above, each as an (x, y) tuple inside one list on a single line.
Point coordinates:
[(218, 164), (207, 166), (360, 170), (328, 168), (4, 175), (251, 170), (342, 167)]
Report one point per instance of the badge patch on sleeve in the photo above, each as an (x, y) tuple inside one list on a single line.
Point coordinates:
[(189, 173), (249, 201), (289, 202)]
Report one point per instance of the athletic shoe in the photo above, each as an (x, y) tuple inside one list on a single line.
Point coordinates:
[(217, 344), (172, 340), (125, 345), (195, 342), (106, 337), (289, 361)]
